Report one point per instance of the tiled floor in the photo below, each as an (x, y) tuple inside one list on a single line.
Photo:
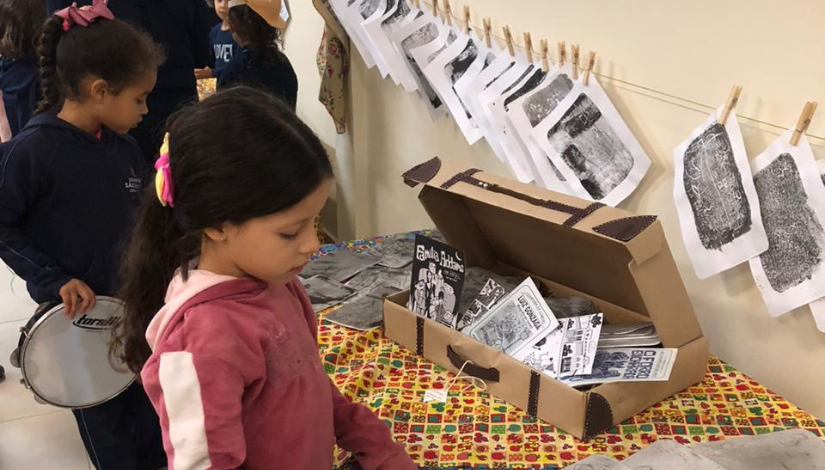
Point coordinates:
[(32, 436)]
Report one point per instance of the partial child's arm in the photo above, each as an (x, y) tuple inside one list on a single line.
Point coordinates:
[(21, 185), (357, 429)]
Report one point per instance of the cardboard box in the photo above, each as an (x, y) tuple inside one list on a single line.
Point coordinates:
[(618, 260)]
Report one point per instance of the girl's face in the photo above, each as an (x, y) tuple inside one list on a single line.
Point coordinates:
[(222, 9), (123, 111), (273, 248)]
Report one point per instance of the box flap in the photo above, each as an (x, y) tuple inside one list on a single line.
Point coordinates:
[(587, 246)]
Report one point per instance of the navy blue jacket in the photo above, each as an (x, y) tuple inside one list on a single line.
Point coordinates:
[(67, 201), (274, 75), (20, 84)]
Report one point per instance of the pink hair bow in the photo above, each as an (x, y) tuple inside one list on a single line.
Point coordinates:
[(85, 15)]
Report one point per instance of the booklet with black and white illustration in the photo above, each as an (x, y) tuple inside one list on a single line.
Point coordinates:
[(521, 319), (437, 280)]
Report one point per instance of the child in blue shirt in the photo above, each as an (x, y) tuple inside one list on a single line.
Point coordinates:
[(222, 42), (259, 62)]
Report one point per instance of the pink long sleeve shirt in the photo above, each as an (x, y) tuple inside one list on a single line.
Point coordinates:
[(237, 381)]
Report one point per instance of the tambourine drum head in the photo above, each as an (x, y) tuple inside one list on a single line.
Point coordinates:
[(67, 363)]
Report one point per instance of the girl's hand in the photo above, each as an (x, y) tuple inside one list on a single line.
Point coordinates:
[(78, 297), (200, 74)]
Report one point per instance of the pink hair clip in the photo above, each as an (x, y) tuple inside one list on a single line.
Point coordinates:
[(84, 16), (163, 178)]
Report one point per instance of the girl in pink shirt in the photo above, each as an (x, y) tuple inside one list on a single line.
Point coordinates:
[(219, 328)]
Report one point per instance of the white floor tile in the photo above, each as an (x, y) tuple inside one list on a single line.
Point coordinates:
[(16, 401), (46, 442)]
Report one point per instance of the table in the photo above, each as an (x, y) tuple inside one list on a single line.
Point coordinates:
[(476, 430)]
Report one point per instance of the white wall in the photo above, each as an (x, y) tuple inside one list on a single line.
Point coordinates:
[(695, 50)]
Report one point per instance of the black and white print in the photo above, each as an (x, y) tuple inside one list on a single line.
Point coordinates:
[(340, 265), (490, 294), (395, 251), (379, 30), (424, 55), (716, 199), (419, 32), (438, 273), (514, 149), (445, 71), (519, 320), (470, 87), (504, 84), (791, 273), (366, 312), (528, 111), (349, 13), (590, 144), (374, 276), (325, 293), (627, 365), (568, 350)]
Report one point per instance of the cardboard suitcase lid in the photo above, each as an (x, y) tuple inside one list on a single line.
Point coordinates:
[(587, 246)]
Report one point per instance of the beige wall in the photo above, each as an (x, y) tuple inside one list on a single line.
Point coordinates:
[(695, 50)]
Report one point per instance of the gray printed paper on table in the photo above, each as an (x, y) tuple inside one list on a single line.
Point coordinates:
[(325, 293), (340, 265)]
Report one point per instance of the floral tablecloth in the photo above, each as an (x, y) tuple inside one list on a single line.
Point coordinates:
[(476, 430)]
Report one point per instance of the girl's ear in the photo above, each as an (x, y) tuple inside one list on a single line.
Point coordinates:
[(215, 234), (98, 88)]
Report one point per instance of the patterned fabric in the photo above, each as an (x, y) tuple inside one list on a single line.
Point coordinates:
[(476, 430), (333, 66)]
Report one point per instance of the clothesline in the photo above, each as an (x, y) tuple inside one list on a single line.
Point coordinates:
[(702, 106)]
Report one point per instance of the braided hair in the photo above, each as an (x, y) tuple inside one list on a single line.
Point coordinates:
[(111, 50)]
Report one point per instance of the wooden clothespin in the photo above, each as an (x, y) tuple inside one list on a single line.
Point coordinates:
[(545, 51), (731, 103), (575, 60), (528, 46), (562, 53), (435, 8), (417, 4), (467, 20), (508, 36), (804, 121), (448, 12), (591, 61), (488, 32)]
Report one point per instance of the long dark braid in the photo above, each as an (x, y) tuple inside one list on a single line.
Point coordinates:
[(47, 52)]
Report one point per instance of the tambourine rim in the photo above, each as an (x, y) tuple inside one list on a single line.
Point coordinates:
[(30, 334)]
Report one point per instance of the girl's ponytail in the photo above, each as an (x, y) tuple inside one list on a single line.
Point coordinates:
[(47, 51), (158, 246)]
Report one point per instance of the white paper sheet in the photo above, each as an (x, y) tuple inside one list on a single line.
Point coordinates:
[(348, 12), (728, 230), (514, 149), (509, 80), (445, 71), (602, 161), (792, 202), (378, 30), (468, 90), (528, 111), (424, 29)]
